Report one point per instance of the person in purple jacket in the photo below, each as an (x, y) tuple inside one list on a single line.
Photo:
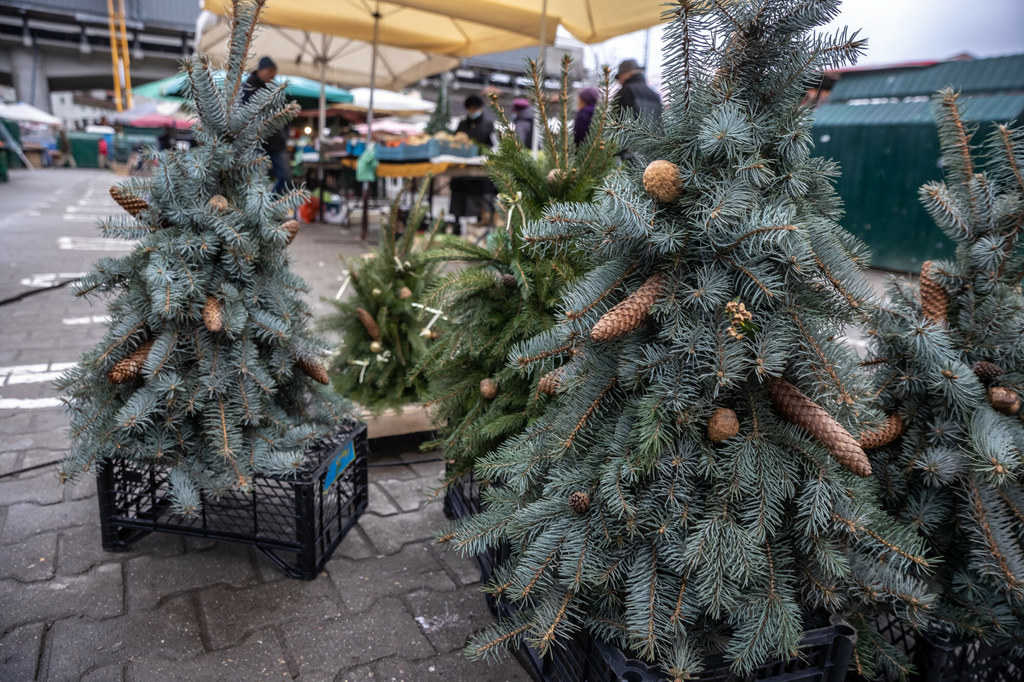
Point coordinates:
[(586, 100)]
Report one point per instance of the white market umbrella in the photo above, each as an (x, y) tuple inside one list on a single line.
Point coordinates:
[(26, 113), (387, 102)]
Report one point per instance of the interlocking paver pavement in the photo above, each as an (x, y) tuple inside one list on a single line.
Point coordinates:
[(388, 606)]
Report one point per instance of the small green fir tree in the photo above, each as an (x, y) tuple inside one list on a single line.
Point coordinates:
[(208, 367), (696, 486), (441, 117), (507, 293), (949, 368), (383, 326)]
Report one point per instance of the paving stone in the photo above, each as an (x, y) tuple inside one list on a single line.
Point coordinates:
[(357, 674), (51, 421), (389, 533), (78, 645), (355, 545), (361, 583), (230, 614), (96, 594), (81, 490), (81, 548), (25, 520), (323, 648), (379, 503), (448, 619), (18, 422), (151, 578), (426, 464), (107, 673), (451, 667), (30, 560), (9, 461), (397, 471), (39, 487), (465, 569), (19, 653), (410, 494), (260, 657)]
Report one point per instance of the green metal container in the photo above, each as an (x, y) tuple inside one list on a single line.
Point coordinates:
[(85, 148)]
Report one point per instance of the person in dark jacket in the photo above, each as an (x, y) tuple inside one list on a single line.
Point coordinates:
[(474, 196), (522, 120), (634, 94), (586, 102), (276, 144)]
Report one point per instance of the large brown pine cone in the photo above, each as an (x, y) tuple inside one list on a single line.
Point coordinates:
[(488, 388), (129, 202), (887, 433), (723, 425), (219, 203), (661, 180), (130, 366), (369, 323), (292, 227), (791, 403), (986, 371), (549, 383), (579, 502), (934, 300), (213, 314), (314, 371), (631, 312)]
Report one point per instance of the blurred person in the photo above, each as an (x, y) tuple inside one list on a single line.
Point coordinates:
[(275, 145), (104, 151), (634, 94), (67, 158), (586, 102), (474, 196), (522, 121)]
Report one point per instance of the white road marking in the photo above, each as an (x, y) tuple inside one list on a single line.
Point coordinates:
[(27, 403), (95, 244), (33, 374), (88, 319), (43, 280), (74, 217)]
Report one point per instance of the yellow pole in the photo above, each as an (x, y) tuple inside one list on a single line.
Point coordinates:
[(114, 54), (127, 62)]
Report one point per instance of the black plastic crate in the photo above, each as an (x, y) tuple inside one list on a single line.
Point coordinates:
[(943, 657), (297, 521)]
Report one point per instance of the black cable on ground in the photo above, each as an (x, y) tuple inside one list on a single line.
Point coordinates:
[(33, 292), (32, 468)]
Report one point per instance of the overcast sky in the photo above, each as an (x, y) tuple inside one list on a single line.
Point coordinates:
[(896, 30)]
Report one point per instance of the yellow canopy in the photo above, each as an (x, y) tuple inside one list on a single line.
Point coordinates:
[(457, 28)]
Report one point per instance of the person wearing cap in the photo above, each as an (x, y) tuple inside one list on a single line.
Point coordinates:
[(634, 94), (474, 196), (586, 101), (522, 121), (276, 144)]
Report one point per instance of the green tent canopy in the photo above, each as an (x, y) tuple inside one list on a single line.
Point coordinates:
[(303, 90)]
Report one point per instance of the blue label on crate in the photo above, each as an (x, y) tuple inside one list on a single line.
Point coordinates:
[(339, 464)]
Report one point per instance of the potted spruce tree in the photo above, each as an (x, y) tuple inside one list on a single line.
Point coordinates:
[(695, 494), (202, 409), (948, 360), (384, 327), (506, 293)]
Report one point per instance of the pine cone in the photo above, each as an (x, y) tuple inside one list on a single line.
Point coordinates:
[(986, 371), (661, 180), (219, 203), (723, 425), (369, 323), (934, 300), (791, 403), (1004, 400), (130, 366), (213, 314), (488, 389), (292, 227), (508, 281), (314, 371), (890, 431), (404, 293), (129, 202), (631, 312), (549, 383), (579, 502), (554, 175)]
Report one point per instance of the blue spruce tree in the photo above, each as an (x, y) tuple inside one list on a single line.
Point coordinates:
[(949, 368), (208, 367), (696, 486)]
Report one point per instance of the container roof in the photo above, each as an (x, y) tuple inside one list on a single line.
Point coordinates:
[(997, 74), (979, 108)]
